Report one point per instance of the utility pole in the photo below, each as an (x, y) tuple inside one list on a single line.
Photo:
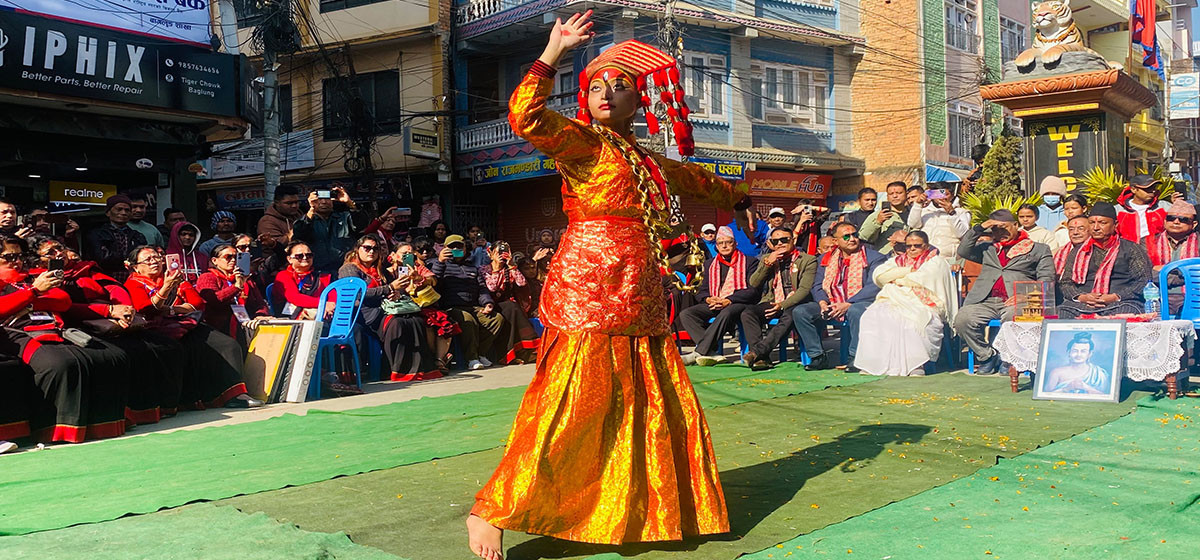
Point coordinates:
[(270, 124), (670, 41), (277, 33)]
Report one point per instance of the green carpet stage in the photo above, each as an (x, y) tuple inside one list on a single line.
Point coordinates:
[(790, 465), (68, 485), (1127, 489), (812, 464)]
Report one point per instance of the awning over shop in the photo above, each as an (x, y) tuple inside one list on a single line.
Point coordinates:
[(935, 174)]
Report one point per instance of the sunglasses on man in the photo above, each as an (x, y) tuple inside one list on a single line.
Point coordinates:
[(849, 236), (779, 240), (1183, 219)]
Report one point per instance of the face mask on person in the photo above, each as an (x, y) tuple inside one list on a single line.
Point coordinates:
[(1051, 199)]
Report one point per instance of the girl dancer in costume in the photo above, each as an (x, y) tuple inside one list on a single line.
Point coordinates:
[(610, 444)]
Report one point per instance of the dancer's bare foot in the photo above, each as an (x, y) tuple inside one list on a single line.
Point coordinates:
[(487, 542)]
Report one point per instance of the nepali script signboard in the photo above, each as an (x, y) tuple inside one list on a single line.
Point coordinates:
[(52, 56), (1071, 146), (513, 169), (185, 21)]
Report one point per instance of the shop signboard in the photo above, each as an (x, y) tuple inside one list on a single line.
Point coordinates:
[(1185, 95), (789, 184), (53, 56), (514, 169), (245, 157), (1067, 147), (249, 198), (186, 21), (76, 192), (422, 143), (725, 169)]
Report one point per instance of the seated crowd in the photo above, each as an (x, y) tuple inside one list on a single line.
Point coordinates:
[(891, 276), (127, 323)]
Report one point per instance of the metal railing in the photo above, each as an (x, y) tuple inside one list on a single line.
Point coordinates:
[(493, 133), (478, 9)]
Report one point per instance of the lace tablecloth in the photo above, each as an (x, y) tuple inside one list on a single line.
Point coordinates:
[(1152, 350)]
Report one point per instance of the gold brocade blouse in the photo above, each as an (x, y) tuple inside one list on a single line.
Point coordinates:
[(604, 277)]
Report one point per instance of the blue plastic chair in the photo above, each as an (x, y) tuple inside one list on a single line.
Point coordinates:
[(348, 296), (993, 324), (269, 294), (1190, 270), (537, 325)]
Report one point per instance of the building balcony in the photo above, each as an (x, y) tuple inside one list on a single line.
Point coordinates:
[(962, 40), (496, 133)]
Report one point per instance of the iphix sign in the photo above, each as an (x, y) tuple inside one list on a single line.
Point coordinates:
[(52, 56)]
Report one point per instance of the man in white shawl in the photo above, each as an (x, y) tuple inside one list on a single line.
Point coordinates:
[(903, 328)]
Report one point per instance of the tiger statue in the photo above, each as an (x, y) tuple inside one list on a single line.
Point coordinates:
[(1055, 34)]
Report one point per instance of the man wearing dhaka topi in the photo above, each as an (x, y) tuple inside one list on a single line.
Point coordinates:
[(610, 444)]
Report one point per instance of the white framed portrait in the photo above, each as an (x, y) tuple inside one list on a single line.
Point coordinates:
[(1081, 360)]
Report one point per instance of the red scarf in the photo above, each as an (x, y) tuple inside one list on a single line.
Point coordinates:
[(904, 260), (846, 280), (777, 280), (1104, 274), (735, 280), (1060, 259), (1159, 248), (373, 278), (1013, 248)]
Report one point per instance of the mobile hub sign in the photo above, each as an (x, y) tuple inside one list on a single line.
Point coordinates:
[(184, 21)]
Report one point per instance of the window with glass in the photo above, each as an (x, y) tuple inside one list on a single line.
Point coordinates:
[(965, 125), (1012, 39), (367, 100), (960, 25), (790, 95), (705, 84)]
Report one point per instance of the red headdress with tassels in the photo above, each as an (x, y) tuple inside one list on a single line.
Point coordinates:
[(647, 66)]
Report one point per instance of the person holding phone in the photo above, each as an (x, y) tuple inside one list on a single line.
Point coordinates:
[(81, 390), (231, 300), (366, 261), (213, 372), (439, 328), (887, 226), (330, 227), (503, 279), (102, 306), (467, 300)]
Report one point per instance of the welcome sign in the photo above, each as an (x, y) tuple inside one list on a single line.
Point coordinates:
[(52, 56)]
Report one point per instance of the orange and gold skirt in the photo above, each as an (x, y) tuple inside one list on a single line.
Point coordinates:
[(609, 446)]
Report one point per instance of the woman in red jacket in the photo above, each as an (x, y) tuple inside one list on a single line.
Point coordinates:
[(229, 296), (102, 306), (82, 388), (213, 376), (299, 284)]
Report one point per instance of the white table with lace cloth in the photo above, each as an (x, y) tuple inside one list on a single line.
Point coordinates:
[(1153, 350)]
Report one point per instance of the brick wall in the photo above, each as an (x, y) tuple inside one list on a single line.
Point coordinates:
[(888, 94)]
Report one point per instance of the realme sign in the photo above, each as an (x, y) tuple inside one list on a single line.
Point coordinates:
[(73, 192)]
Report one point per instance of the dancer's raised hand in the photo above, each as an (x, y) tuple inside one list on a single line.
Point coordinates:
[(567, 35)]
